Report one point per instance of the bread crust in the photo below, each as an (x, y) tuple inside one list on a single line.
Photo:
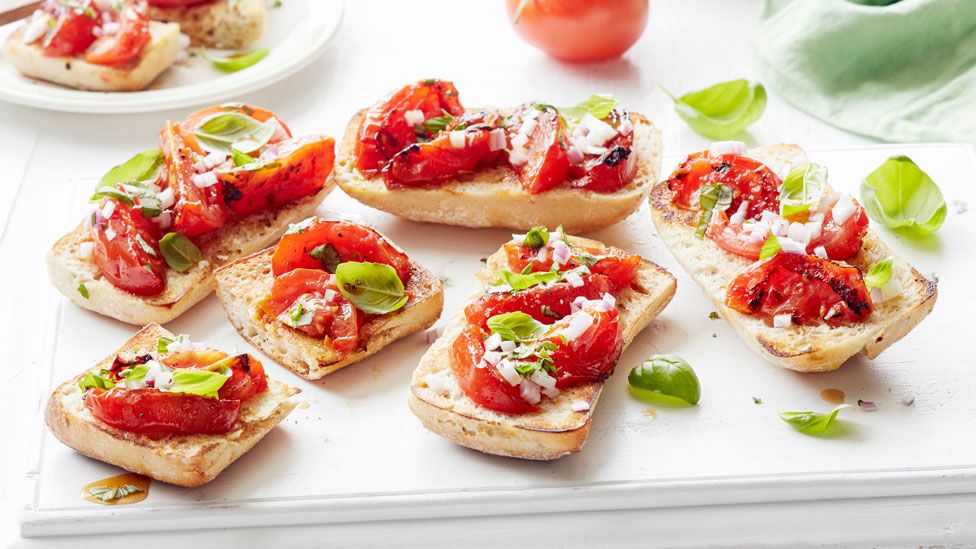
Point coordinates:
[(159, 54), (245, 282), (218, 24), (556, 429), (185, 460), (493, 197), (68, 270), (802, 348)]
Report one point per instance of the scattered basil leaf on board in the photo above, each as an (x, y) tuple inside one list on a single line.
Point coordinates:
[(536, 238), (108, 493), (756, 400), (143, 166), (199, 382), (900, 195), (600, 105), (712, 198), (235, 61), (516, 326), (667, 375), (328, 255), (224, 132), (770, 248), (879, 274), (83, 291), (802, 188), (713, 315), (179, 251), (723, 110), (811, 422), (521, 281), (373, 288)]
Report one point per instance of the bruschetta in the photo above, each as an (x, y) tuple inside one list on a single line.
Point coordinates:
[(80, 45), (519, 371), (329, 294), (785, 264), (168, 408), (213, 23), (225, 182), (419, 154)]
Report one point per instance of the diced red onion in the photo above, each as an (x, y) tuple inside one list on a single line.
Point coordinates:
[(99, 218), (493, 342), (868, 406), (37, 27), (508, 346), (492, 357), (625, 127), (414, 117), (781, 227), (908, 400), (163, 220), (108, 209), (814, 229), (578, 303), (542, 379), (436, 382), (330, 295), (110, 234), (768, 217), (608, 303), (204, 180), (782, 321), (430, 334), (529, 392), (820, 252), (574, 280), (508, 372), (876, 296), (728, 147), (579, 405), (528, 126), (518, 156), (112, 27), (791, 246), (575, 155), (560, 252), (843, 209), (519, 140), (85, 249), (496, 140), (578, 324), (798, 232), (739, 217), (457, 139)]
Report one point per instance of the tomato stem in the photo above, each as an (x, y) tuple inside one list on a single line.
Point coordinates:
[(518, 11)]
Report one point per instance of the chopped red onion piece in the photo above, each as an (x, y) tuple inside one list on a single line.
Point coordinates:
[(908, 400), (431, 335), (867, 405)]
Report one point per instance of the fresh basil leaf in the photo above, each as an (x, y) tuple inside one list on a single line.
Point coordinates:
[(179, 251), (879, 274), (143, 166), (96, 381), (802, 188), (536, 238), (723, 110), (900, 195), (712, 198), (522, 281), (757, 400), (811, 422), (301, 226), (373, 288), (438, 123), (588, 259), (235, 61), (328, 255), (562, 234), (241, 159), (667, 375), (224, 132), (133, 380), (300, 317), (713, 315), (516, 326), (108, 493), (770, 248), (198, 382), (600, 105), (162, 346), (83, 291)]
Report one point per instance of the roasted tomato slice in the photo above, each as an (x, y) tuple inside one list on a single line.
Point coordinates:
[(446, 156), (750, 180), (483, 385), (351, 241), (842, 241), (593, 354), (545, 303), (614, 169), (126, 44), (810, 289), (302, 169), (613, 263), (196, 210), (189, 124), (127, 251), (247, 373), (73, 32), (384, 131), (149, 411), (547, 163), (177, 3), (316, 290), (732, 238)]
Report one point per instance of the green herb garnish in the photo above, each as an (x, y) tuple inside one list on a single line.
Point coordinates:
[(900, 195), (328, 255), (770, 248), (536, 238), (811, 422), (107, 493), (224, 132), (802, 188), (712, 198), (667, 375), (516, 326), (83, 291), (723, 110), (373, 288), (235, 61), (879, 274), (179, 251), (527, 278)]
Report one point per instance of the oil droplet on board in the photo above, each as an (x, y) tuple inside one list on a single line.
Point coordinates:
[(119, 481), (650, 412), (833, 396)]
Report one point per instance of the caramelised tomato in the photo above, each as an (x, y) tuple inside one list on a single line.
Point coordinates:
[(197, 210), (247, 373), (842, 241), (438, 160), (483, 385), (352, 242), (189, 124), (808, 288), (127, 252), (177, 3), (750, 180), (73, 32), (591, 356), (384, 131), (332, 314), (547, 163), (612, 170), (149, 411), (613, 263), (126, 44), (556, 298)]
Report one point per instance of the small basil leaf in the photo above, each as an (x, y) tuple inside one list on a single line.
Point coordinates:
[(536, 238), (224, 132), (900, 195), (162, 346), (811, 422), (879, 274), (96, 381), (712, 198), (241, 159), (198, 382), (770, 248), (667, 375), (600, 105), (588, 259), (83, 291), (438, 123), (179, 251), (300, 317), (373, 288), (143, 166), (328, 255), (522, 281), (235, 61), (802, 188), (723, 110), (516, 326)]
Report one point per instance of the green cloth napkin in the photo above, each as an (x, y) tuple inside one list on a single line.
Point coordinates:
[(905, 71)]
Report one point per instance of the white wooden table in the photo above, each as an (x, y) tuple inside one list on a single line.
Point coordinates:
[(382, 44)]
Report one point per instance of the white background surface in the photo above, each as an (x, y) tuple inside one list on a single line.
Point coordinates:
[(688, 44)]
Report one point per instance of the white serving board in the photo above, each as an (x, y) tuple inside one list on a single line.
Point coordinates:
[(356, 452)]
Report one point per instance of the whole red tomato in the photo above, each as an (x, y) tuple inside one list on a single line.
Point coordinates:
[(579, 30)]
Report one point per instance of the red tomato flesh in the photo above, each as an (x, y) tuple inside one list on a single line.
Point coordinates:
[(558, 297), (810, 289), (750, 180), (484, 385), (148, 411), (336, 318), (189, 124), (126, 44), (247, 373), (197, 210), (590, 357), (73, 31), (548, 163), (612, 170), (124, 259), (615, 264)]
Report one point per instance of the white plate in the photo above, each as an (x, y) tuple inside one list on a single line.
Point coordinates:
[(296, 33), (357, 453)]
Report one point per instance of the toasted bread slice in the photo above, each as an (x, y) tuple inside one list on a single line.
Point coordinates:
[(493, 197), (186, 460), (556, 429), (245, 282), (815, 348), (68, 270), (158, 55), (216, 24)]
